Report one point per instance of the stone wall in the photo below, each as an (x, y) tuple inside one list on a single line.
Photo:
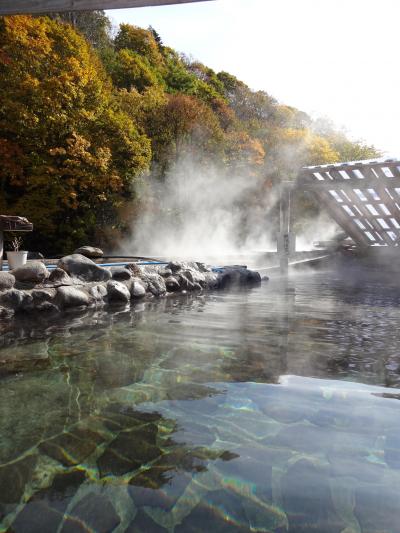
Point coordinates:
[(79, 282)]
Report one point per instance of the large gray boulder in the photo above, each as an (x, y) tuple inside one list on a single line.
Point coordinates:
[(89, 251), (59, 277), (120, 273), (16, 300), (98, 292), (211, 280), (118, 292), (195, 276), (33, 271), (7, 281), (184, 282), (72, 297), (165, 272), (83, 268), (43, 295), (172, 284), (137, 289), (174, 266), (190, 275), (43, 300), (5, 312), (238, 277), (154, 283)]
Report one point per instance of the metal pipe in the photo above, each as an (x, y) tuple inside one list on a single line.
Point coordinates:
[(1, 249)]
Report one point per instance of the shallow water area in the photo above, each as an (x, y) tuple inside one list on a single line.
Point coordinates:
[(272, 410)]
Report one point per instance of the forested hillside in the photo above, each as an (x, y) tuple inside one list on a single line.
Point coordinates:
[(86, 114)]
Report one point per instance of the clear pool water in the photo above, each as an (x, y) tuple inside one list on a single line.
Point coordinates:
[(275, 409)]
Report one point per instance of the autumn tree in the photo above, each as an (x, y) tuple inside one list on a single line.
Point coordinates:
[(140, 41), (78, 152), (184, 124), (133, 71)]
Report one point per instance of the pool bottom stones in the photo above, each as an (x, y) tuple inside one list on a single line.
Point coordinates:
[(167, 466), (78, 282)]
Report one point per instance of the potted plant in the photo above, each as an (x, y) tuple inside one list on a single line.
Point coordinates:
[(17, 257)]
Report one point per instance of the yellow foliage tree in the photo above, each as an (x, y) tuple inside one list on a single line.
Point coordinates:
[(78, 152)]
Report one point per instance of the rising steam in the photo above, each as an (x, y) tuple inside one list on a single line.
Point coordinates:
[(203, 210)]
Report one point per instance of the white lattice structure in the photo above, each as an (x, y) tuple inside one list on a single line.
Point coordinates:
[(363, 197)]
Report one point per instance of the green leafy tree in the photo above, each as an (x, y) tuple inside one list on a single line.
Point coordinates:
[(132, 71), (95, 26)]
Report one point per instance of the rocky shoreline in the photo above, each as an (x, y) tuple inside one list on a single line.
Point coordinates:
[(79, 282)]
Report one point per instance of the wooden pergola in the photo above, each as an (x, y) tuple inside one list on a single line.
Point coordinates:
[(15, 7), (363, 197)]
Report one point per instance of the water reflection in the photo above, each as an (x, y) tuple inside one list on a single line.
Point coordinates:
[(184, 414)]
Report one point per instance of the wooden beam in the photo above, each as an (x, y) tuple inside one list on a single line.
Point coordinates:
[(357, 165), (367, 215), (354, 183), (342, 219), (18, 7)]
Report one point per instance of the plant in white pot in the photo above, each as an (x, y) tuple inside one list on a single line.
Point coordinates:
[(17, 257)]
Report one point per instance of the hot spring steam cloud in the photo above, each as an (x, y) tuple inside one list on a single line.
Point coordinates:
[(201, 211), (204, 210)]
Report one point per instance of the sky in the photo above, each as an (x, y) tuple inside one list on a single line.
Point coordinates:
[(330, 58)]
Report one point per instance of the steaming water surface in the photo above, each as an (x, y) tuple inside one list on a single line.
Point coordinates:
[(274, 409)]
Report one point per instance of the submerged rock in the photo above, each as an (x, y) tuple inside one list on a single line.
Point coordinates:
[(94, 512), (89, 251), (67, 449), (47, 307), (14, 477), (129, 451), (7, 281), (45, 509), (34, 271), (83, 268)]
